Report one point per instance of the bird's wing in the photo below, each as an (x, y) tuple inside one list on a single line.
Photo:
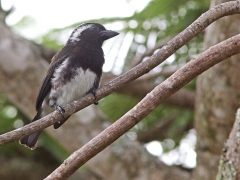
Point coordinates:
[(46, 85)]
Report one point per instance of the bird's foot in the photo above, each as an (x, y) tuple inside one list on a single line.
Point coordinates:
[(93, 91), (60, 109)]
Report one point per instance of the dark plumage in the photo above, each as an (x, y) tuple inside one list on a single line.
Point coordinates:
[(74, 71)]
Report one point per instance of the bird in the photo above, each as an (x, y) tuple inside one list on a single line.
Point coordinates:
[(74, 71)]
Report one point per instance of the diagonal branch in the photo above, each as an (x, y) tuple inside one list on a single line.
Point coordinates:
[(166, 51), (180, 78), (195, 28)]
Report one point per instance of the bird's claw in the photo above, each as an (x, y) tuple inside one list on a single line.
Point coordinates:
[(60, 109), (93, 91)]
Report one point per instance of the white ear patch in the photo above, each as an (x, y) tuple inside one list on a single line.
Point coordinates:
[(77, 32)]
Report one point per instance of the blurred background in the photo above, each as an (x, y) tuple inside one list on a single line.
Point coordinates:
[(165, 141)]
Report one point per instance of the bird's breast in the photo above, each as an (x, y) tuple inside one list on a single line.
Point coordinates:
[(74, 88)]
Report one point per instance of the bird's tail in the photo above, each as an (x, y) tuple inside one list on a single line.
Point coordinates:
[(31, 140), (59, 123)]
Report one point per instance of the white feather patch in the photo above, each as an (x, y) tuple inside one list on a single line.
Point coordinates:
[(58, 72), (76, 88), (77, 32)]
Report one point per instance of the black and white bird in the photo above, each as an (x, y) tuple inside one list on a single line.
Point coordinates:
[(74, 71)]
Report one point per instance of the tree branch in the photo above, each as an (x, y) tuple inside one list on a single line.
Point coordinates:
[(144, 67), (183, 76), (195, 28)]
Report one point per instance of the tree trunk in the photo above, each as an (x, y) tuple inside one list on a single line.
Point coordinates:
[(217, 100), (230, 160)]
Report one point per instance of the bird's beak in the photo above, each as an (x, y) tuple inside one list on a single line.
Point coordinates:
[(107, 34)]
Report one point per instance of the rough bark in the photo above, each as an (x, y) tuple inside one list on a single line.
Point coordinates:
[(218, 98), (230, 160)]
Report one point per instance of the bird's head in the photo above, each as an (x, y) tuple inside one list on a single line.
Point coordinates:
[(91, 32)]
